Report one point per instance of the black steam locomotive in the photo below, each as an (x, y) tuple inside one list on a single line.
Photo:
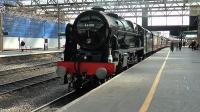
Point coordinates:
[(107, 44)]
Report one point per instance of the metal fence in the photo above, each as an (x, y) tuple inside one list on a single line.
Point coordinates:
[(30, 27)]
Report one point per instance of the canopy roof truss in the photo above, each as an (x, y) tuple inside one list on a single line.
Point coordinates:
[(69, 9)]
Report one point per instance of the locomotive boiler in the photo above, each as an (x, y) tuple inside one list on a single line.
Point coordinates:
[(107, 44), (102, 34)]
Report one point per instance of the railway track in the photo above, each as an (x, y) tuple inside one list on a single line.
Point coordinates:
[(47, 106), (63, 100), (25, 83)]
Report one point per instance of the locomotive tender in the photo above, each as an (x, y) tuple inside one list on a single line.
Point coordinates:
[(107, 44)]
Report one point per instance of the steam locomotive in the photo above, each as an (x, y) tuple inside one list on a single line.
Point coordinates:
[(107, 44)]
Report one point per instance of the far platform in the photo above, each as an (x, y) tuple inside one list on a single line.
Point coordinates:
[(164, 82), (9, 53), (18, 55)]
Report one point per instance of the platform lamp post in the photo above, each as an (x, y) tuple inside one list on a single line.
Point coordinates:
[(44, 32), (198, 29), (181, 38), (58, 27), (1, 30)]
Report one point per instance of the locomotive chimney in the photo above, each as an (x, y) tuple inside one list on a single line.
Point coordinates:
[(98, 8)]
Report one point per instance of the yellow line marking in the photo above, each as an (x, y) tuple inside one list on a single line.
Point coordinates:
[(152, 91)]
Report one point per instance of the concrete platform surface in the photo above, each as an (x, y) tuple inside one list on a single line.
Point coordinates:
[(27, 52), (165, 82)]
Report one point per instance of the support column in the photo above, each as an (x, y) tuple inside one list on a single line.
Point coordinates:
[(145, 24), (144, 17), (198, 30), (58, 30), (1, 32)]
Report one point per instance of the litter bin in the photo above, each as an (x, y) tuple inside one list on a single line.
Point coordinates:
[(45, 44)]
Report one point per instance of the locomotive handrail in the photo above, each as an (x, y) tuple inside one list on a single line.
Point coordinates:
[(128, 32)]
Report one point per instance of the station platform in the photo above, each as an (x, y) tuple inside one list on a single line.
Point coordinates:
[(14, 55), (27, 52), (164, 82)]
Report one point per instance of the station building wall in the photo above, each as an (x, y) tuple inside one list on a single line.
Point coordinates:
[(12, 43)]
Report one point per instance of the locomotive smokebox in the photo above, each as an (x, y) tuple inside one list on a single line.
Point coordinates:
[(91, 29), (101, 73)]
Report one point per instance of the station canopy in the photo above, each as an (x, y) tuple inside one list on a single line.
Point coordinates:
[(125, 8)]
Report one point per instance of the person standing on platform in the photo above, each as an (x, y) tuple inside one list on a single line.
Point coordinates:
[(172, 46), (197, 46), (180, 45), (177, 46), (184, 43), (193, 44), (22, 44)]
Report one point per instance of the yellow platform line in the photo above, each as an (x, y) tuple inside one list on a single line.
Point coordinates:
[(152, 91)]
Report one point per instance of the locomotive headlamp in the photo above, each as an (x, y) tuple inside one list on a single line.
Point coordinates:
[(101, 73), (85, 57), (60, 71), (89, 41), (110, 58)]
